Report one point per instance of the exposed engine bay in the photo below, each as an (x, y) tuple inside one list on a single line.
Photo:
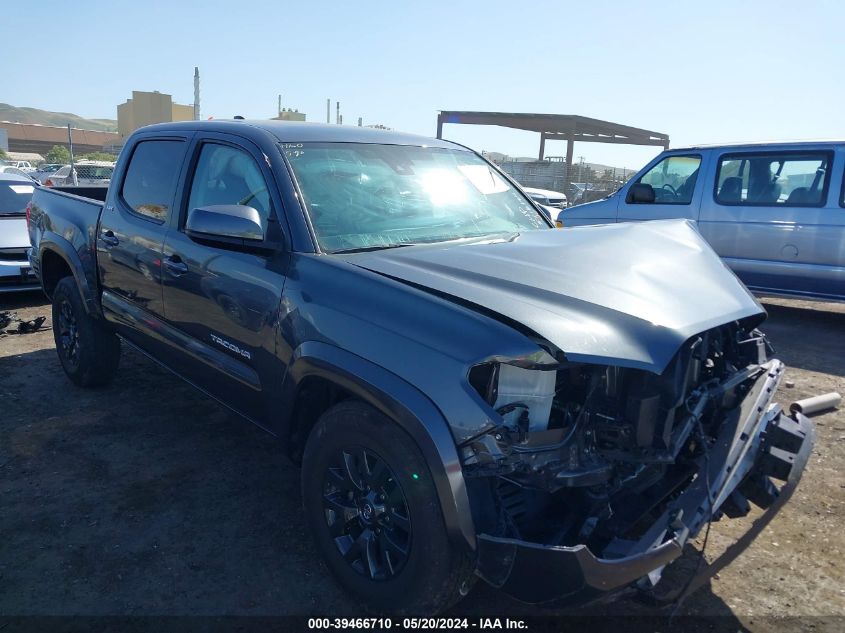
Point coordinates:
[(588, 454)]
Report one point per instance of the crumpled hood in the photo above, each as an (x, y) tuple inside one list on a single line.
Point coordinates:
[(13, 233), (622, 294)]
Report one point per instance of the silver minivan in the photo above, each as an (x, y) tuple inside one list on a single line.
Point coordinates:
[(775, 212)]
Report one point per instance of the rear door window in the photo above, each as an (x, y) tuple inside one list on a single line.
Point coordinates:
[(795, 179), (673, 179), (150, 182)]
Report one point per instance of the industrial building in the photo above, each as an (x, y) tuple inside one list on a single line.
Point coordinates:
[(146, 108), (39, 139), (289, 115)]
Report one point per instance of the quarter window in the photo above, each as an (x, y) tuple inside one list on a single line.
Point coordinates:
[(150, 183), (796, 179), (226, 175), (673, 179)]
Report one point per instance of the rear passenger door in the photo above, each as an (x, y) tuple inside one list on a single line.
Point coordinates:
[(771, 215), (223, 298), (131, 235), (677, 190)]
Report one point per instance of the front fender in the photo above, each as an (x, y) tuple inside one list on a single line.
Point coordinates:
[(402, 403)]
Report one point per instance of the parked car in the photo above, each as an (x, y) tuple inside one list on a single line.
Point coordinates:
[(88, 174), (15, 271), (774, 212), (547, 197), (24, 165), (16, 171), (469, 392), (45, 170)]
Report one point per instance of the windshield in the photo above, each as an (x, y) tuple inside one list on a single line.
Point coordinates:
[(366, 196), (14, 197)]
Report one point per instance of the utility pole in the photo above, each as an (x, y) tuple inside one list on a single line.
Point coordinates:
[(70, 147), (196, 93)]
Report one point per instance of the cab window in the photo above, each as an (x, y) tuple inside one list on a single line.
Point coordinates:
[(795, 179), (227, 175), (150, 182), (673, 179)]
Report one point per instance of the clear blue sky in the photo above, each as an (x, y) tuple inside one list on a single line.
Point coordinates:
[(705, 71)]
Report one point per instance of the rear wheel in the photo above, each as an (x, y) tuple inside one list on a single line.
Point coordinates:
[(375, 514), (88, 351)]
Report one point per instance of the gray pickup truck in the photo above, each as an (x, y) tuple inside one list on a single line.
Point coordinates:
[(470, 393)]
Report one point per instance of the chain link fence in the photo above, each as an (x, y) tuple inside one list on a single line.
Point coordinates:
[(581, 183)]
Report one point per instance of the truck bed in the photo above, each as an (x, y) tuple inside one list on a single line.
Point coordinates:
[(91, 193), (66, 220)]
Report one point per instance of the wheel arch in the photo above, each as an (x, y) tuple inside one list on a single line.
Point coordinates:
[(57, 256), (322, 365)]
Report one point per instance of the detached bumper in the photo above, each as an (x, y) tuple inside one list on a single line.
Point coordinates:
[(759, 441)]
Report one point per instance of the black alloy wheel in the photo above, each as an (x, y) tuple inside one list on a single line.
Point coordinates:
[(88, 348), (367, 513), (68, 333), (373, 508)]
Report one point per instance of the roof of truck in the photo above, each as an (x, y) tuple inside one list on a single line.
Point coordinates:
[(304, 132), (818, 141)]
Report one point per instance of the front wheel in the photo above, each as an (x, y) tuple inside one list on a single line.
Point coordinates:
[(373, 510), (88, 351)]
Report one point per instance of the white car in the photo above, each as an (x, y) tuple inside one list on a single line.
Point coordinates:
[(23, 165), (16, 171), (89, 173), (45, 170), (15, 194), (547, 197)]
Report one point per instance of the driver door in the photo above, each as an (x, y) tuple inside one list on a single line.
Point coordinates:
[(677, 183), (222, 299)]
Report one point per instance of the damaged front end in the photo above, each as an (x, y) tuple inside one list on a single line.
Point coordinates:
[(595, 477)]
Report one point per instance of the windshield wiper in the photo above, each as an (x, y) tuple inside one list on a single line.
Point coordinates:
[(364, 249)]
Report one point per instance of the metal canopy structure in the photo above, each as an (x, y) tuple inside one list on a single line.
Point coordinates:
[(566, 127)]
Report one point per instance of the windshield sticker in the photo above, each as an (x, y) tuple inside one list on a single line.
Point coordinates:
[(292, 150)]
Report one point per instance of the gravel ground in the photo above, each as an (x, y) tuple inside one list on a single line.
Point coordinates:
[(148, 498)]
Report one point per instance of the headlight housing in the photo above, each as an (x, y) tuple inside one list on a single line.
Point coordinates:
[(521, 390), (531, 388)]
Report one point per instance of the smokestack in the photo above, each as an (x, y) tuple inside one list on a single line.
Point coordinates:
[(280, 105), (360, 121), (196, 93), (328, 110), (337, 116)]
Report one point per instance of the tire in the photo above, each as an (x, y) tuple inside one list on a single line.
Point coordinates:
[(88, 351), (433, 574)]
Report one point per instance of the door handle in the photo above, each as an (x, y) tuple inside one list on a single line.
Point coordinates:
[(175, 266), (109, 238)]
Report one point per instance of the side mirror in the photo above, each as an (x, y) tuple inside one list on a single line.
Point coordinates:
[(231, 222), (640, 193)]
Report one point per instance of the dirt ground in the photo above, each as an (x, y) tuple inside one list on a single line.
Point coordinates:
[(148, 498)]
